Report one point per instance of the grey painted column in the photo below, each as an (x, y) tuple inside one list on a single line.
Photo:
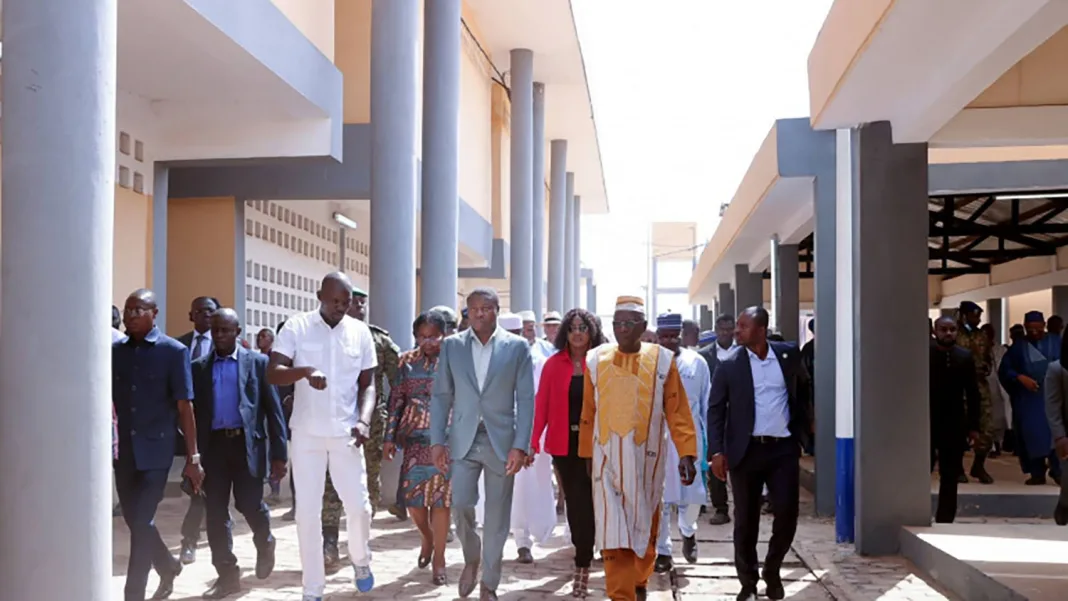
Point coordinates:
[(576, 231), (995, 309), (538, 206), (441, 149), (160, 198), (394, 69), (1060, 302), (726, 301), (557, 225), (521, 282), (569, 244), (592, 299), (948, 312), (893, 484), (824, 284), (59, 110), (788, 303), (748, 288)]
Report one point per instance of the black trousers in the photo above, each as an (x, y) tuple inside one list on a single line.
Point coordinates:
[(948, 455), (226, 472), (578, 500), (774, 464), (717, 492), (140, 492), (194, 518)]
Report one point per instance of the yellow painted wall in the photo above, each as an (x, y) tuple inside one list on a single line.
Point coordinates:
[(1039, 79), (500, 142), (200, 255), (132, 256), (1040, 300), (315, 19), (352, 55), (476, 129)]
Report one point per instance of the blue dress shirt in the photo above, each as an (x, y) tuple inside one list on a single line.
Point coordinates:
[(227, 398)]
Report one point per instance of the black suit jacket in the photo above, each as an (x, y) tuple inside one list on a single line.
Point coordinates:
[(732, 404), (955, 397), (261, 410), (710, 354)]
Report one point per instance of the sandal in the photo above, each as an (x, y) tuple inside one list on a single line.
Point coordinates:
[(439, 578), (424, 560), (580, 584)]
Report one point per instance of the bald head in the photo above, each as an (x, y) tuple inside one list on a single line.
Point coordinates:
[(225, 330), (226, 315), (139, 313), (335, 297), (945, 331), (143, 296)]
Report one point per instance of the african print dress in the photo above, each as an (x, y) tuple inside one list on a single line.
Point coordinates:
[(422, 485)]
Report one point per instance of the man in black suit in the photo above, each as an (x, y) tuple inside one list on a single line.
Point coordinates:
[(237, 413), (198, 341), (955, 406), (719, 350), (756, 427)]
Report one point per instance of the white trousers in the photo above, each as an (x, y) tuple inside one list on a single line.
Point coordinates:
[(533, 504), (311, 455), (687, 521)]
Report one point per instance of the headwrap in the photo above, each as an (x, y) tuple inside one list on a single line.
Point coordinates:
[(669, 321), (707, 337), (510, 322), (552, 317), (969, 307), (1034, 317), (630, 303), (527, 316)]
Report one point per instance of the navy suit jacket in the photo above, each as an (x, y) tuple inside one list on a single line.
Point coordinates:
[(732, 404), (261, 410)]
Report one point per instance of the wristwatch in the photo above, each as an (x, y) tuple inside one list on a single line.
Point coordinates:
[(194, 459)]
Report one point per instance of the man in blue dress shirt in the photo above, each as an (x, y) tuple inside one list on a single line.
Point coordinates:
[(151, 392), (237, 412)]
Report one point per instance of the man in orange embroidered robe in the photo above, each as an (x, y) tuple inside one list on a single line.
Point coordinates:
[(633, 398)]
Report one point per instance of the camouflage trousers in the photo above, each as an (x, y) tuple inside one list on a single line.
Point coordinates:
[(372, 454), (986, 419)]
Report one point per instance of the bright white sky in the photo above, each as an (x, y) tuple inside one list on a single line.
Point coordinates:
[(683, 95)]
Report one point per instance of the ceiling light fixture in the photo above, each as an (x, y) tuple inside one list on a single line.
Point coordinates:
[(1033, 196)]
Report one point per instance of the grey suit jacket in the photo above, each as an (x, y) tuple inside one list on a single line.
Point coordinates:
[(505, 404), (1057, 399)]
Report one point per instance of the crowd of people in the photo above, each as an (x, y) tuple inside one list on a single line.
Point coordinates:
[(485, 414)]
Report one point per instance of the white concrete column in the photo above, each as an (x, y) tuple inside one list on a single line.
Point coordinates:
[(557, 225), (776, 283), (441, 153), (55, 368), (576, 217), (520, 277), (537, 222), (394, 72), (569, 244)]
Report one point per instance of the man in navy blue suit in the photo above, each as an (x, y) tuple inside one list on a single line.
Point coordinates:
[(151, 392), (756, 427), (237, 413)]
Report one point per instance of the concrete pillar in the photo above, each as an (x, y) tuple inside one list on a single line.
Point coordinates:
[(576, 217), (569, 244), (995, 317), (557, 225), (948, 312), (537, 223), (776, 281), (394, 69), (748, 288), (889, 202), (59, 113), (788, 301), (726, 301), (160, 198), (521, 282), (1059, 305), (591, 299), (441, 149), (823, 380), (655, 268)]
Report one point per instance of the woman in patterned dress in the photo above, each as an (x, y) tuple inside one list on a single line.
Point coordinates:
[(425, 491)]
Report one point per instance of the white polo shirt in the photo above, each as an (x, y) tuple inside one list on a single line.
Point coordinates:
[(341, 353)]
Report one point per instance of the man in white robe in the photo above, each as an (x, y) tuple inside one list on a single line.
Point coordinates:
[(687, 500)]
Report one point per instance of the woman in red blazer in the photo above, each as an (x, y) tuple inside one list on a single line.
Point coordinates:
[(558, 407)]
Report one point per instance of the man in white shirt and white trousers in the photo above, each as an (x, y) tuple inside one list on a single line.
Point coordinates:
[(688, 499), (330, 358)]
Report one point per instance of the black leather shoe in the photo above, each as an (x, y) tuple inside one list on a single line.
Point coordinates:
[(525, 556), (1060, 515), (265, 560), (166, 583), (689, 548), (775, 590), (719, 518), (188, 554), (227, 584), (747, 594), (663, 564)]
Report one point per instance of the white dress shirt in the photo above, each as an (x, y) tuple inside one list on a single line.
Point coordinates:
[(116, 335), (770, 396), (723, 353), (481, 355), (341, 353)]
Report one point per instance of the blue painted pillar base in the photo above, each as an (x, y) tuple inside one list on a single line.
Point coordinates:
[(844, 506)]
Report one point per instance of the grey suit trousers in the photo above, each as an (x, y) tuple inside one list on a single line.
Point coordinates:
[(481, 459)]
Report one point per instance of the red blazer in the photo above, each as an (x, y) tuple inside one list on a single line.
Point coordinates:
[(551, 407)]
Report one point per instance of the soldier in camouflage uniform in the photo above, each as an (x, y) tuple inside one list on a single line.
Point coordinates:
[(970, 337), (386, 371)]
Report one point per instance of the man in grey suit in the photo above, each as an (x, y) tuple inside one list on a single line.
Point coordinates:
[(485, 380), (1057, 414)]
